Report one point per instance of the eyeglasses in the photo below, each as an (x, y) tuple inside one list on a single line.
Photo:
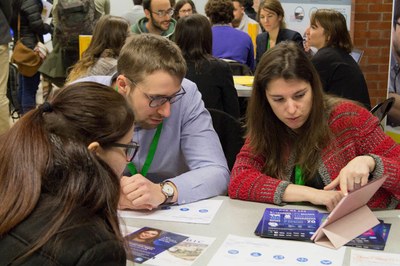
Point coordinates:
[(163, 13), (130, 149), (156, 101)]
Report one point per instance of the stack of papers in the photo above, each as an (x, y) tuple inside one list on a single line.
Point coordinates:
[(244, 80)]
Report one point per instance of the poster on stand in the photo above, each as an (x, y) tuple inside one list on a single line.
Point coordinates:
[(393, 117)]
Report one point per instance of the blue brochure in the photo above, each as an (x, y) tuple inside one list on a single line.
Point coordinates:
[(300, 225), (147, 242), (289, 224), (374, 238)]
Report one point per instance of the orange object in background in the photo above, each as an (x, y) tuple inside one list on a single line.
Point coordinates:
[(84, 41), (253, 31)]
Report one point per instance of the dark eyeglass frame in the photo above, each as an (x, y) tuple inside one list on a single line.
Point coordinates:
[(157, 101), (162, 13), (131, 149)]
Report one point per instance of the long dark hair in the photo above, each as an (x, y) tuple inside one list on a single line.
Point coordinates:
[(109, 36), (193, 35), (180, 4), (46, 151), (268, 135)]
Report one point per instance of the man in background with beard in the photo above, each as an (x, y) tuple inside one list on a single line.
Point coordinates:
[(158, 19)]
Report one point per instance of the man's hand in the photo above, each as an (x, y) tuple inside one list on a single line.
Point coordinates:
[(137, 192)]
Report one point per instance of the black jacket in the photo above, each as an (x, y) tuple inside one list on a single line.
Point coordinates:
[(5, 19), (215, 82), (89, 242), (32, 26), (283, 35), (341, 75)]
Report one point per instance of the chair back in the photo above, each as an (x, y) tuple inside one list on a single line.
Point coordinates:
[(239, 69), (382, 109), (230, 133)]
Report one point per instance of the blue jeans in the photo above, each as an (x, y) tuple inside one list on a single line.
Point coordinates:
[(28, 87)]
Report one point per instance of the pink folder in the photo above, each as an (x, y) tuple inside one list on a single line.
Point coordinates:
[(350, 218)]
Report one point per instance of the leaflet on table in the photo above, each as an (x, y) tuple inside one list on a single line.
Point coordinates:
[(237, 250), (184, 253), (147, 242), (201, 212), (300, 225), (289, 223), (367, 258), (374, 238)]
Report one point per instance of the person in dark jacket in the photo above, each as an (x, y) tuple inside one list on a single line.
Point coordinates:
[(5, 38), (61, 207), (31, 31), (272, 18), (212, 76), (339, 72)]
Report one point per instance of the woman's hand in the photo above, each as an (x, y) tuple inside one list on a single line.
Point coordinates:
[(296, 193), (328, 198), (354, 175)]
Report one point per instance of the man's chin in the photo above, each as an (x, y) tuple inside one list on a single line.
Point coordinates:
[(146, 125)]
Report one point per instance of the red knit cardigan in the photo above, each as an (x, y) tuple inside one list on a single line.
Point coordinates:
[(356, 132)]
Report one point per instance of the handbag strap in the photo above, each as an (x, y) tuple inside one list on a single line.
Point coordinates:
[(19, 26)]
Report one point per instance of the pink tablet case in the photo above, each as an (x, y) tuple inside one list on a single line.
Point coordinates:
[(350, 218)]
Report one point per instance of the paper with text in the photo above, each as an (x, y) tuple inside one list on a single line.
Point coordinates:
[(201, 212), (237, 250), (364, 258), (183, 254)]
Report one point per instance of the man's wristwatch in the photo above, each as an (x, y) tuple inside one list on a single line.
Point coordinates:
[(167, 188)]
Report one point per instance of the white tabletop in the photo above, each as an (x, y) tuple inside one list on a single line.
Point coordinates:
[(241, 218)]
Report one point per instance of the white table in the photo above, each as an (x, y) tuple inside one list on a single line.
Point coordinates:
[(243, 91), (241, 218)]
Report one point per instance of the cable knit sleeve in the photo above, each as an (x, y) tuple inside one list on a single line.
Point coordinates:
[(355, 124), (249, 183)]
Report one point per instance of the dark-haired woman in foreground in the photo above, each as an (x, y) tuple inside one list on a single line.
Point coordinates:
[(60, 166)]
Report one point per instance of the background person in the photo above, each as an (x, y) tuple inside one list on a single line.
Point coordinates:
[(100, 58), (228, 42), (240, 19), (187, 163), (339, 73), (272, 18), (5, 38), (212, 76), (61, 207), (302, 144), (31, 31), (136, 13), (158, 19), (184, 8)]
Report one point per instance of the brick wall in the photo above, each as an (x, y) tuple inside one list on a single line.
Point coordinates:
[(371, 32)]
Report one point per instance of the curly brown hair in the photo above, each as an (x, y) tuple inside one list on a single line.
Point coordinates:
[(219, 11)]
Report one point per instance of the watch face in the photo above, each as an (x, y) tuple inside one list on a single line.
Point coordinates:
[(168, 189)]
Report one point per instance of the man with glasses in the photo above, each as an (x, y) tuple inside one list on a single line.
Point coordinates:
[(180, 159), (393, 117), (158, 19)]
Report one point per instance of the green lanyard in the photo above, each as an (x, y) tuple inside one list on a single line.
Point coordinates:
[(298, 176), (267, 44), (150, 155)]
